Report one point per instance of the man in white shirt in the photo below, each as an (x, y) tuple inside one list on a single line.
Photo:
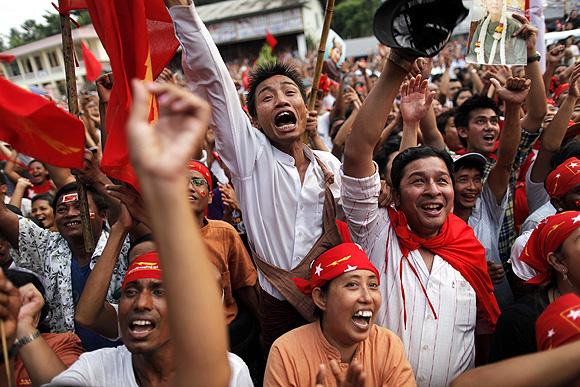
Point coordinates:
[(279, 181), (434, 268)]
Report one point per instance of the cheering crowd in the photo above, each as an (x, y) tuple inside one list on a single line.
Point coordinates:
[(419, 226)]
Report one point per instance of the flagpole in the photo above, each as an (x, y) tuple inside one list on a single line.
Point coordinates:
[(319, 59), (73, 107)]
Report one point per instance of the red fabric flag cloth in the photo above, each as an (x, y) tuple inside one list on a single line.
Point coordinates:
[(559, 323), (7, 58), (92, 65), (546, 238), (139, 38), (456, 244), (37, 127), (71, 5), (564, 178), (271, 40)]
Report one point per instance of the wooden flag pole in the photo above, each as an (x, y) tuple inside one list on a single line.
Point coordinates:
[(73, 107), (319, 59)]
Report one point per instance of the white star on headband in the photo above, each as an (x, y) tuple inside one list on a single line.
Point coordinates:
[(576, 219), (573, 165), (574, 314), (350, 268), (318, 269), (557, 176), (551, 333)]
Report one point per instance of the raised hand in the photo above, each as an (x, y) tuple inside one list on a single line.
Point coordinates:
[(131, 200), (556, 54), (91, 173), (229, 196), (312, 123), (423, 67), (163, 149), (31, 305), (515, 90), (355, 377), (104, 87), (573, 91), (9, 307), (415, 99), (527, 32)]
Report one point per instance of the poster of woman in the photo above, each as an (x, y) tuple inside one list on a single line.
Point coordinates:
[(491, 40)]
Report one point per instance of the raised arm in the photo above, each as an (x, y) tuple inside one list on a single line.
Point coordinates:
[(9, 168), (553, 57), (21, 186), (371, 119), (159, 155), (415, 103), (207, 75), (556, 130), (431, 135), (536, 101), (93, 311), (513, 94)]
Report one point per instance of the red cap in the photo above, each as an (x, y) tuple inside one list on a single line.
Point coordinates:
[(547, 237), (564, 178), (340, 259), (144, 266), (201, 168), (559, 324)]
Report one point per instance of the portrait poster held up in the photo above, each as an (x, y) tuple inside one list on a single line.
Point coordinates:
[(493, 26), (334, 55)]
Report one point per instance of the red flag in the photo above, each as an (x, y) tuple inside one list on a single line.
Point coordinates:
[(7, 58), (37, 127), (271, 40), (92, 65), (71, 5), (139, 38)]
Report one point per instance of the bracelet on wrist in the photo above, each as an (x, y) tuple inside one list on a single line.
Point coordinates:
[(22, 341)]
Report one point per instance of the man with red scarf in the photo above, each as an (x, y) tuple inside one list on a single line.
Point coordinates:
[(434, 269)]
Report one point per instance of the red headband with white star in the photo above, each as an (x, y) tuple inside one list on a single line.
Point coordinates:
[(546, 238), (564, 178), (559, 324), (341, 259)]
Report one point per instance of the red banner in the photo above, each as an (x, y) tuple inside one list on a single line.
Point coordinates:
[(71, 5), (92, 65), (37, 127)]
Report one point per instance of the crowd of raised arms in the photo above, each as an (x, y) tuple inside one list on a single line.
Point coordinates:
[(419, 226)]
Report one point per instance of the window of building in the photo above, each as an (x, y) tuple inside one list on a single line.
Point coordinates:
[(38, 62), (13, 69), (52, 59), (28, 65)]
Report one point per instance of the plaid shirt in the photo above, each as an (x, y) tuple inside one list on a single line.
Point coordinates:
[(507, 234)]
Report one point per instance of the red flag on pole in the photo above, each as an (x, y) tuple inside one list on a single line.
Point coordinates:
[(7, 58), (139, 38), (37, 127), (271, 40), (92, 65), (71, 5)]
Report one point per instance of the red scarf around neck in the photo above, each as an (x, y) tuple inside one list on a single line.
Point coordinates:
[(456, 244)]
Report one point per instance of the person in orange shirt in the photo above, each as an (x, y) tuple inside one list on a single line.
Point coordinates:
[(345, 289)]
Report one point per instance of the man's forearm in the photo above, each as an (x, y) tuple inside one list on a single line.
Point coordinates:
[(40, 361), (536, 100), (510, 136), (431, 135)]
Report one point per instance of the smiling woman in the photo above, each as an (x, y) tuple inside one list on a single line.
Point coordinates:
[(344, 286)]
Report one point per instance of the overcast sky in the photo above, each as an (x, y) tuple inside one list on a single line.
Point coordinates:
[(14, 12)]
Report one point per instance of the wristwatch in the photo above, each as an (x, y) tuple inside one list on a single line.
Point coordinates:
[(22, 341), (534, 58)]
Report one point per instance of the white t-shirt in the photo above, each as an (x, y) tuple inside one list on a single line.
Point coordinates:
[(486, 220), (537, 216), (535, 192), (521, 269), (324, 129), (111, 367)]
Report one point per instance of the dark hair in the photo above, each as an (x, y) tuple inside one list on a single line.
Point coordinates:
[(3, 178), (443, 118), (99, 200), (143, 238), (468, 164), (385, 151), (411, 154), (456, 96), (36, 161), (14, 209), (20, 278), (571, 149), (45, 196), (436, 77), (476, 102), (268, 70)]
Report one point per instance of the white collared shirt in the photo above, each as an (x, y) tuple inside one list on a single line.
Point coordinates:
[(283, 217), (438, 349)]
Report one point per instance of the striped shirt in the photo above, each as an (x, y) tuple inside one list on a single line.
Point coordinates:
[(439, 346)]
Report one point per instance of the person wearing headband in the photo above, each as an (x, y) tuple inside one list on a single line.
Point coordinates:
[(559, 324), (344, 286), (552, 253)]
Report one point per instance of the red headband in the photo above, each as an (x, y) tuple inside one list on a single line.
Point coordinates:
[(340, 259), (559, 324), (564, 178), (560, 89), (199, 167), (145, 266), (547, 237)]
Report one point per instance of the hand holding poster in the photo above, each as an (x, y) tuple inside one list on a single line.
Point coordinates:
[(491, 38)]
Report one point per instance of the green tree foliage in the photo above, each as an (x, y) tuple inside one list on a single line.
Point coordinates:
[(31, 31), (354, 18)]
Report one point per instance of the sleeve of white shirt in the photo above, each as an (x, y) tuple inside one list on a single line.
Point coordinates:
[(521, 269), (535, 192), (78, 374), (32, 245), (495, 211), (240, 375), (360, 202), (237, 142)]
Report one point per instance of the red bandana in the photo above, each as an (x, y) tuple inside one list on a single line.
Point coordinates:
[(199, 167), (547, 237), (457, 245), (564, 178), (340, 259), (559, 324), (144, 266)]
